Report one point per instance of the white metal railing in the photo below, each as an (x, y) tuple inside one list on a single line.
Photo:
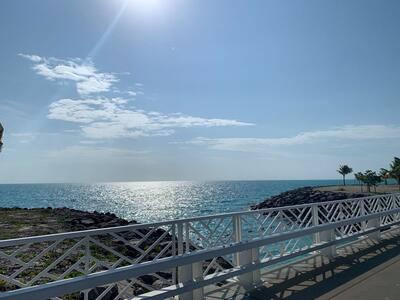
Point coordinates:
[(180, 257)]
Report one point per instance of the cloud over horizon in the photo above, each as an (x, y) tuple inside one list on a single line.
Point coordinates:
[(348, 132)]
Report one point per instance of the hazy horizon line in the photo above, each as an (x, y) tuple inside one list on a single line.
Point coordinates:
[(182, 180)]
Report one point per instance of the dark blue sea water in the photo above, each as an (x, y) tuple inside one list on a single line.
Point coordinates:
[(150, 201)]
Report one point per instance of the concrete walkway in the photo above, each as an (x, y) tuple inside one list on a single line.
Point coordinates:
[(364, 270), (382, 282)]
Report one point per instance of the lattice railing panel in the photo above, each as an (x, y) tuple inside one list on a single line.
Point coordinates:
[(42, 262), (207, 234), (259, 225), (126, 289), (210, 233), (339, 211), (276, 250)]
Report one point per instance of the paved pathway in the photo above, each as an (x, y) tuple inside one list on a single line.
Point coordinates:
[(365, 270), (382, 282)]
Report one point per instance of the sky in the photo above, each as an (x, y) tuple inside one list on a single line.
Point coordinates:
[(126, 90)]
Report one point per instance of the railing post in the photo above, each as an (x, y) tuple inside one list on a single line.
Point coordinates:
[(374, 223), (188, 273), (323, 236), (197, 272), (87, 265), (174, 251), (328, 236), (251, 256), (362, 213), (256, 260), (184, 272), (196, 268), (237, 235), (314, 213)]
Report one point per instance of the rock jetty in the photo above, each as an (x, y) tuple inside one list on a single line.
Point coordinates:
[(304, 195), (23, 222)]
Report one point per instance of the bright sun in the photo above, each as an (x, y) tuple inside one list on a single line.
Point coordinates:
[(147, 6)]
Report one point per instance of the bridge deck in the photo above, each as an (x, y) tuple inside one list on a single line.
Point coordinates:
[(363, 270)]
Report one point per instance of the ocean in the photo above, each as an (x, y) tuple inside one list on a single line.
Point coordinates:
[(151, 201)]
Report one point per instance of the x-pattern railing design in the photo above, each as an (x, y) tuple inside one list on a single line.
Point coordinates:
[(155, 256), (56, 257)]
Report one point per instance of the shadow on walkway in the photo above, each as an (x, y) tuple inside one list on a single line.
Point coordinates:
[(316, 276), (321, 277)]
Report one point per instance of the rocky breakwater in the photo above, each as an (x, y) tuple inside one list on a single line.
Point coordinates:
[(304, 195), (22, 222)]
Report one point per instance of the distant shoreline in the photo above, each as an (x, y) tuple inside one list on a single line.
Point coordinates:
[(317, 194), (356, 188)]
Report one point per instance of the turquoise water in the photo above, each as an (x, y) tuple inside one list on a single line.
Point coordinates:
[(150, 201)]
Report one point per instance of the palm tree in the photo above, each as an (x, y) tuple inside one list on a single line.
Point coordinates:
[(385, 175), (344, 170), (395, 170), (359, 177), (1, 136), (370, 178)]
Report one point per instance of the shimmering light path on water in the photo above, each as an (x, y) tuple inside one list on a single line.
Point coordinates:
[(150, 201)]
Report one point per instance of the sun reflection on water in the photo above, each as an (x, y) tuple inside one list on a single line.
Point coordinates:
[(148, 201)]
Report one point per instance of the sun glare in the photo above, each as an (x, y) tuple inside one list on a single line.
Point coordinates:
[(147, 7)]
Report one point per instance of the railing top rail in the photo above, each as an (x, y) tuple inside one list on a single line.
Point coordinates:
[(82, 233)]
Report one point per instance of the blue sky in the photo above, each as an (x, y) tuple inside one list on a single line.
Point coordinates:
[(197, 90)]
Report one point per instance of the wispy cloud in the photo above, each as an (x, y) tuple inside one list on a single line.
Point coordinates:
[(32, 57), (106, 117), (113, 118), (14, 108), (24, 137), (87, 78), (348, 132), (91, 152)]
